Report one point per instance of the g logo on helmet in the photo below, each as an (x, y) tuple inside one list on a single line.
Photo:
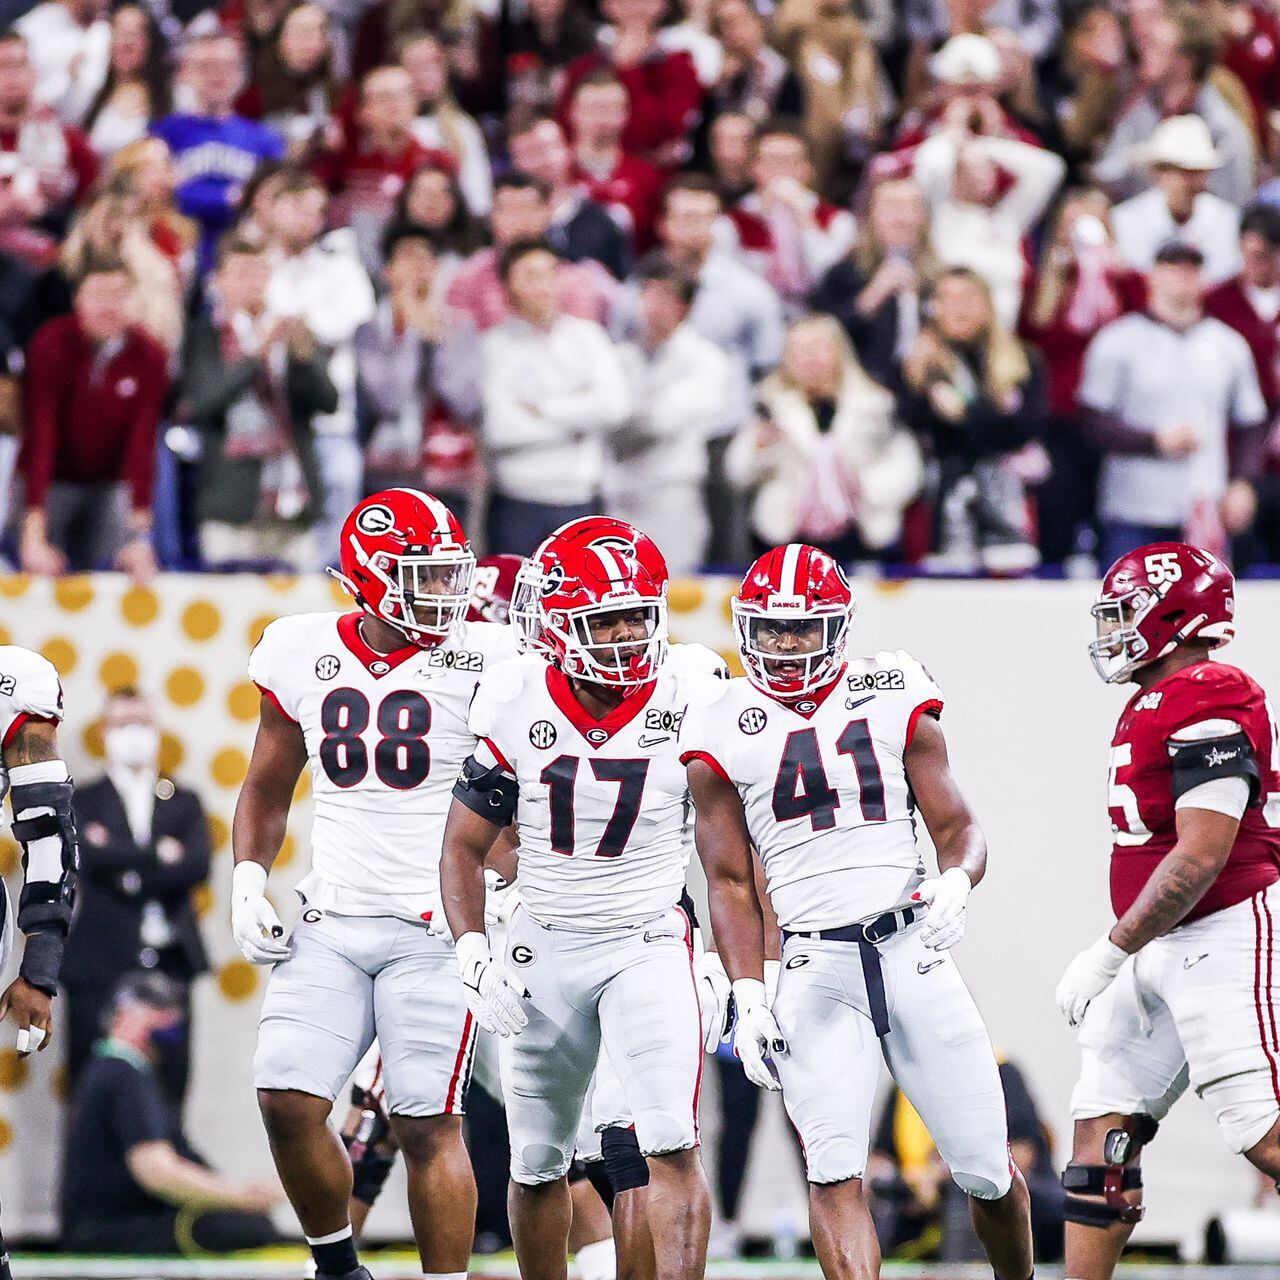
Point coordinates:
[(553, 579), (375, 520)]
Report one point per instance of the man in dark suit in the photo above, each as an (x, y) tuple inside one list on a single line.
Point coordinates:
[(144, 846)]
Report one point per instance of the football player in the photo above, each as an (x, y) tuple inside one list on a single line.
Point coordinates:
[(39, 788), (1180, 990), (822, 761), (375, 700), (598, 951)]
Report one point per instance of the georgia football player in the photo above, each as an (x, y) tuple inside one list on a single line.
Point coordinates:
[(39, 788), (607, 1148), (583, 753), (821, 762), (376, 701), (1179, 991)]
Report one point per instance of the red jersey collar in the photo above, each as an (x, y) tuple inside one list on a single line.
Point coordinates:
[(807, 706), (596, 732), (375, 663)]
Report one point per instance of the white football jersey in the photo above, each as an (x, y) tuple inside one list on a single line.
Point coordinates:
[(29, 690), (824, 785), (386, 735), (603, 804)]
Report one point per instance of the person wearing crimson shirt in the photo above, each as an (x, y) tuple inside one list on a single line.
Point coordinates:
[(627, 186), (666, 98), (1180, 991), (88, 492)]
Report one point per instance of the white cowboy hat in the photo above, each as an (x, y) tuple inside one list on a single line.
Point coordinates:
[(1182, 142)]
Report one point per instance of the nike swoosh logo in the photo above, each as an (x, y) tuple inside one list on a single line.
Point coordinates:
[(849, 706), (1191, 961), (924, 968), (653, 742)]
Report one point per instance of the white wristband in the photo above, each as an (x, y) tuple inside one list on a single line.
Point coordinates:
[(248, 880), (471, 947), (748, 993)]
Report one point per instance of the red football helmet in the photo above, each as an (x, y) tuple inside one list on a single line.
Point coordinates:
[(792, 615), (588, 593), (1156, 598), (586, 531), (494, 585), (406, 560)]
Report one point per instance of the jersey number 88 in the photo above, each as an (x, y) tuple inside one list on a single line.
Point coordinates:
[(401, 757)]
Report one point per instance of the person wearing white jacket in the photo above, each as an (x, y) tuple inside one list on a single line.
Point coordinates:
[(657, 459), (552, 388), (825, 455), (319, 279), (974, 223)]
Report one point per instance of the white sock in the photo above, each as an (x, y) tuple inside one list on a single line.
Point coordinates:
[(331, 1238), (444, 1275), (597, 1261)]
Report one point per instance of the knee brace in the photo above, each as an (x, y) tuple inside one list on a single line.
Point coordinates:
[(1111, 1179), (370, 1162), (626, 1167), (596, 1174)]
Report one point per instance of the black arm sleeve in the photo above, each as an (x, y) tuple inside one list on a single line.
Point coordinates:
[(491, 793), (42, 813), (1230, 756)]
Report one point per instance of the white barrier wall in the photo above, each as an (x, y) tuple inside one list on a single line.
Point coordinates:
[(1027, 720)]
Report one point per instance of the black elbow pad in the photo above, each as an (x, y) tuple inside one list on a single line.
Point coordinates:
[(488, 791), (41, 812), (1230, 756)]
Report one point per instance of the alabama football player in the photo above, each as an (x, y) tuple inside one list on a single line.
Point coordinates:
[(36, 780), (376, 701), (822, 762), (1180, 991), (582, 752)]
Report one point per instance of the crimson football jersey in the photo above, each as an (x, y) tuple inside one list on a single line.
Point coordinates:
[(1207, 721)]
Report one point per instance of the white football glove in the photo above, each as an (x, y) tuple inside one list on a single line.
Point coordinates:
[(947, 897), (491, 995), (756, 1036), (772, 972), (257, 929), (1087, 976), (713, 999), (501, 897)]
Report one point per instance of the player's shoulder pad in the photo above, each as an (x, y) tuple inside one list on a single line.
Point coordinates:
[(495, 640), (1206, 691), (696, 659), (296, 631), (505, 681), (893, 671), (29, 683)]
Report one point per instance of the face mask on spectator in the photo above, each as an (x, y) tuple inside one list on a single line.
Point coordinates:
[(132, 746)]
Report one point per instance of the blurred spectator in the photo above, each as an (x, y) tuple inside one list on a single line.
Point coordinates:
[(976, 396), (1081, 285), (216, 150), (1250, 302), (665, 96), (874, 291), (1181, 155), (552, 386), (146, 170), (686, 29), (522, 211), (737, 311), (1176, 55), (622, 182), (16, 284), (144, 849), (88, 493), (843, 86), (545, 36), (657, 460), (929, 23), (1250, 35), (135, 88), (296, 90), (46, 167), (378, 157), (317, 279), (730, 141), (70, 42), (252, 385), (416, 369), (442, 126), (825, 457), (1161, 392), (782, 226), (386, 25), (1092, 77), (433, 200), (130, 1181), (580, 227), (755, 80), (984, 194), (257, 24)]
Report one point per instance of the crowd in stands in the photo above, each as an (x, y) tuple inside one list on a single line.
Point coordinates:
[(958, 285)]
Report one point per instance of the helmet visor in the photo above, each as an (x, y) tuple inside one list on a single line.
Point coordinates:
[(791, 653), (434, 590), (621, 645)]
